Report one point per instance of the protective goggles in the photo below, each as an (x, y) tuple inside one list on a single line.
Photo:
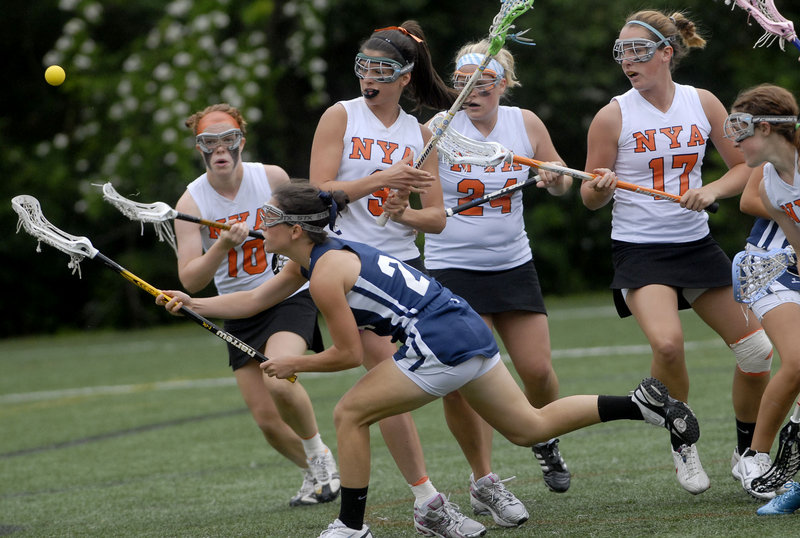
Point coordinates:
[(485, 84), (272, 216), (741, 125), (380, 69), (230, 139), (636, 50)]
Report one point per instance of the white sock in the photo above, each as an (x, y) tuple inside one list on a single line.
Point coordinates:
[(423, 492), (314, 446)]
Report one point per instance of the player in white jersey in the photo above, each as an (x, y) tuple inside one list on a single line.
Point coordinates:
[(366, 147), (655, 135), (232, 191), (484, 248), (763, 124), (446, 346)]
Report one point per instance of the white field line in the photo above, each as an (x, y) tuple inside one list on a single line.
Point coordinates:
[(109, 390)]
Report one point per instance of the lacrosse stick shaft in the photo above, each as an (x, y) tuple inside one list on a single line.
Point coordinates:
[(505, 191), (214, 224), (497, 42), (192, 315), (624, 185), (426, 151)]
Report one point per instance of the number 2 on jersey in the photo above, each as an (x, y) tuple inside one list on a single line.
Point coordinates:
[(475, 188), (389, 265)]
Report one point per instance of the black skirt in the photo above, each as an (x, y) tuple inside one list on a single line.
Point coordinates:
[(492, 292), (694, 265), (297, 314)]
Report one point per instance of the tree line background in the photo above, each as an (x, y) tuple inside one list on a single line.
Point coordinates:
[(136, 70)]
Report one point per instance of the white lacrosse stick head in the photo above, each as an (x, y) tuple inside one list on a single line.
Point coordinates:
[(455, 148), (33, 221), (157, 213), (754, 271)]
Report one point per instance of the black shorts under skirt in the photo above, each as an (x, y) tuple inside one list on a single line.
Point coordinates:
[(492, 292), (694, 265), (297, 314)]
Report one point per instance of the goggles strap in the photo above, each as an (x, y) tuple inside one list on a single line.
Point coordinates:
[(658, 34)]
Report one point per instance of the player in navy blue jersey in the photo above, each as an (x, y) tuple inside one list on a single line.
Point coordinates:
[(445, 345)]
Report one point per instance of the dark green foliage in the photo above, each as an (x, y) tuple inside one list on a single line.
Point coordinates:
[(136, 70)]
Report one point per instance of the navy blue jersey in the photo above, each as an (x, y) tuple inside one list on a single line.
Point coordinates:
[(393, 299), (767, 234)]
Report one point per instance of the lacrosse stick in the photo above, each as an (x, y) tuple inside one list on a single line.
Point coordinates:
[(158, 213), (499, 193), (787, 460), (456, 148), (754, 271), (767, 16), (501, 24), (79, 247)]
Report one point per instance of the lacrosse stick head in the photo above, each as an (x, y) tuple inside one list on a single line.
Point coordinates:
[(787, 460), (157, 213), (504, 21), (455, 148), (33, 221), (767, 16), (754, 271)]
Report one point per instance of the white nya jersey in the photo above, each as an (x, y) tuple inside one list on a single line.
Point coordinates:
[(247, 264), (491, 236), (368, 147), (782, 195), (786, 197), (662, 151)]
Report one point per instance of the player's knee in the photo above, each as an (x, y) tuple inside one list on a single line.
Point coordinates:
[(347, 414), (668, 351), (536, 372), (753, 353)]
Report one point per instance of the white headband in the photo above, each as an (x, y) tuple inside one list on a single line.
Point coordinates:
[(475, 58)]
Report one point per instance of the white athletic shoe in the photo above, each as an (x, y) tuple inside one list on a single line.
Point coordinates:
[(689, 470), (337, 529), (439, 517), (735, 464), (752, 465), (306, 495), (489, 496), (326, 476)]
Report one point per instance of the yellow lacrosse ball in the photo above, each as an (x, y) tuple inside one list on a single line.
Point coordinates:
[(55, 75)]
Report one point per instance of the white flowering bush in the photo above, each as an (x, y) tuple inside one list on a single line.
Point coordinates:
[(132, 103)]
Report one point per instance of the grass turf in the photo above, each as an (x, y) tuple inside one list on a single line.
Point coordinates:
[(145, 434)]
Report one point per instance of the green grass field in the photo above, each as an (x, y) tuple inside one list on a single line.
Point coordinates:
[(144, 434)]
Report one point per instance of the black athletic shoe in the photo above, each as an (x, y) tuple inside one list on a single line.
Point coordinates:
[(556, 474)]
